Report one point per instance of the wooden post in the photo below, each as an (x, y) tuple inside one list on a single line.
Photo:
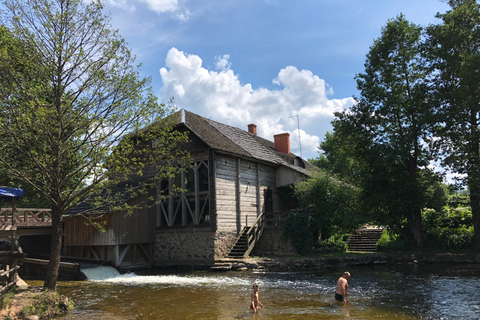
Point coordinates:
[(238, 198), (14, 225), (258, 190)]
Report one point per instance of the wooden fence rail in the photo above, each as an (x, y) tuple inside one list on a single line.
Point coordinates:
[(9, 264), (26, 217)]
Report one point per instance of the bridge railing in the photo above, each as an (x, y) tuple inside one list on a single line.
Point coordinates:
[(26, 217)]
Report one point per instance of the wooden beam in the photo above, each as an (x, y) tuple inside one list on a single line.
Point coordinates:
[(238, 197), (116, 255), (124, 253), (258, 189), (212, 189), (198, 212)]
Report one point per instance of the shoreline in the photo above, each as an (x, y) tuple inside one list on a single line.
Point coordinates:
[(280, 263)]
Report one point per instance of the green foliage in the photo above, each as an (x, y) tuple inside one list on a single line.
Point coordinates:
[(448, 229), (394, 109), (392, 242), (333, 244), (435, 193), (297, 228), (47, 305), (337, 158), (332, 204), (456, 201), (453, 52)]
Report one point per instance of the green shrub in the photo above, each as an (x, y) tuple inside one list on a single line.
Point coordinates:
[(392, 242), (331, 245), (448, 229), (449, 238)]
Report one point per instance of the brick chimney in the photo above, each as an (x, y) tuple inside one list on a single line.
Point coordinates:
[(252, 128), (282, 142)]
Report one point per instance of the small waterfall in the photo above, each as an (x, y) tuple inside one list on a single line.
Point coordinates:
[(101, 273), (111, 275)]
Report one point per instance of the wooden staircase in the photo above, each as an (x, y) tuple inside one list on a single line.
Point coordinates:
[(241, 246), (364, 239), (247, 239)]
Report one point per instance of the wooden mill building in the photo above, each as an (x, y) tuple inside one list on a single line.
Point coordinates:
[(235, 178)]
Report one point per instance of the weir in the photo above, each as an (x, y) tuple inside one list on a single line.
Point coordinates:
[(111, 275)]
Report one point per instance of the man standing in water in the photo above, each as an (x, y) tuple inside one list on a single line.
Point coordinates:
[(342, 288)]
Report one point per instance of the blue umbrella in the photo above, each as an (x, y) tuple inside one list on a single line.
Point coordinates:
[(7, 193)]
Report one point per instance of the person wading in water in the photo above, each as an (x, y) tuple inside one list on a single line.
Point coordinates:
[(342, 288)]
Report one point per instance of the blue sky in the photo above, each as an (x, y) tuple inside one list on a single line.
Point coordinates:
[(260, 61)]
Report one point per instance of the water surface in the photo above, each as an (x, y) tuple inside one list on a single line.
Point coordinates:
[(380, 292)]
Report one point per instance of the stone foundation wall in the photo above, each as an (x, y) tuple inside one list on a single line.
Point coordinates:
[(224, 241), (273, 242), (189, 247), (181, 246)]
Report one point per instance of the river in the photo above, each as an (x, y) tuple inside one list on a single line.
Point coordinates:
[(376, 292)]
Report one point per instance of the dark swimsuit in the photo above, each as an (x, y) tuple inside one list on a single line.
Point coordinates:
[(338, 297)]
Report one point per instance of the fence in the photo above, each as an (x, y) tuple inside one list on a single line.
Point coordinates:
[(26, 217), (10, 262)]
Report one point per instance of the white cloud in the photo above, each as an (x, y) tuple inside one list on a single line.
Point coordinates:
[(122, 4), (162, 6), (222, 62), (219, 95), (158, 6)]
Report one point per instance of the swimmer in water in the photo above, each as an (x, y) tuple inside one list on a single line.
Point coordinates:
[(255, 302)]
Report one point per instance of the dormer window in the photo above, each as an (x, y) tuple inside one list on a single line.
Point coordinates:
[(298, 162)]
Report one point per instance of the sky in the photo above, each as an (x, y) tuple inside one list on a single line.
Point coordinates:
[(285, 66)]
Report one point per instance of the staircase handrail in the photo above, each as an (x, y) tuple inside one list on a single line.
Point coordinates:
[(254, 233)]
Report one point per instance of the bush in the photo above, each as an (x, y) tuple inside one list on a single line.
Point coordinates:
[(331, 245), (448, 230), (449, 238), (392, 243)]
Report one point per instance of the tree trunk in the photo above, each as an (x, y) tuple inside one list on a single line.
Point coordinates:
[(475, 205), (55, 252), (415, 225), (415, 222), (474, 177)]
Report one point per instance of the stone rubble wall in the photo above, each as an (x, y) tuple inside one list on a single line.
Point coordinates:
[(183, 245), (273, 242), (192, 247), (224, 241)]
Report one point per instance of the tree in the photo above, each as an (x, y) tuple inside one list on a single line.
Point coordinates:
[(337, 158), (388, 125), (453, 49), (73, 105), (331, 204)]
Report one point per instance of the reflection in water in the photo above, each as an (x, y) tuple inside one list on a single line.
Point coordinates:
[(400, 292)]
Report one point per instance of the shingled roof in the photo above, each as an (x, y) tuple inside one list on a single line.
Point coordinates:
[(221, 138), (232, 140)]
